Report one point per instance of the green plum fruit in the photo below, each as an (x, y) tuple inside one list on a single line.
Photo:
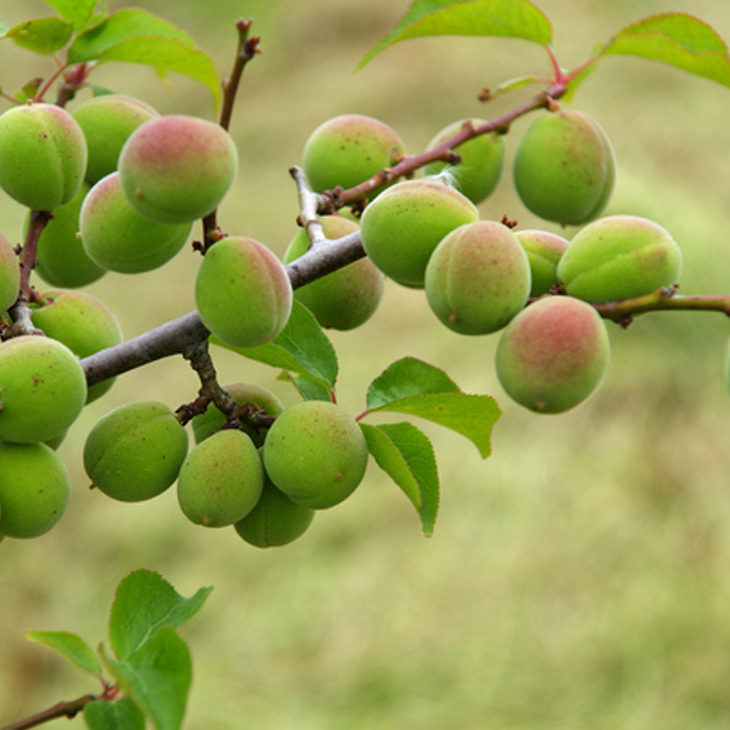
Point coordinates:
[(553, 354), (135, 451), (347, 150), (275, 520), (107, 122), (34, 489), (619, 257), (83, 323), (482, 159), (42, 389), (42, 155), (316, 454), (221, 480), (402, 226), (544, 251), (242, 292), (118, 238), (346, 298), (176, 168), (9, 275), (212, 420), (564, 167), (60, 256), (478, 278)]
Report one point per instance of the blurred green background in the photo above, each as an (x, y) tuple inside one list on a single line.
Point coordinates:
[(578, 578)]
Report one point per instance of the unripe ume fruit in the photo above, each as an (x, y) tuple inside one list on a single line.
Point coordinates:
[(544, 251), (564, 167), (135, 452), (42, 155), (174, 169), (347, 150), (402, 226), (478, 278), (619, 257), (242, 292), (316, 454), (482, 158), (553, 354), (9, 275)]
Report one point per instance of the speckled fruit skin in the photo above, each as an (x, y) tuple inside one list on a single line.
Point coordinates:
[(316, 454), (619, 257), (34, 489), (478, 278), (346, 298), (347, 150), (564, 167), (9, 275), (107, 122), (544, 251), (175, 169), (82, 323), (553, 354), (482, 159), (242, 292), (135, 451), (42, 155), (213, 420), (42, 389), (119, 239), (221, 480), (402, 226)]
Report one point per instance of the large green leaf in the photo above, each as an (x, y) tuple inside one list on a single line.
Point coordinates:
[(71, 646), (120, 715), (406, 455), (76, 12), (514, 18), (40, 35), (678, 39)]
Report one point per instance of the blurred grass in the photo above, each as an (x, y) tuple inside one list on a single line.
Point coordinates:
[(576, 579)]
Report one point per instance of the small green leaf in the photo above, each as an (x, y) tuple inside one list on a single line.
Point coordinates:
[(301, 347), (71, 646), (521, 82), (120, 715), (308, 388), (144, 603), (76, 12), (40, 35), (406, 455), (157, 678), (677, 39), (514, 18)]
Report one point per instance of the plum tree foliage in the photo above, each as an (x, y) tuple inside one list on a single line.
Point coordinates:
[(111, 185)]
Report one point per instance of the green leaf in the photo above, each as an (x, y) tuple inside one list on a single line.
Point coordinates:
[(308, 388), (157, 678), (408, 377), (71, 646), (40, 35), (406, 455), (678, 39), (514, 18), (76, 12), (301, 347), (144, 603), (3, 27), (120, 715), (136, 36)]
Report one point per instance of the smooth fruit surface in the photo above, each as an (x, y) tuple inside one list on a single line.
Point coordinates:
[(620, 257), (221, 480), (564, 167), (404, 224), (34, 489), (482, 159), (135, 451), (553, 354), (346, 298), (242, 292), (478, 278), (9, 275), (42, 155), (316, 454), (544, 251), (347, 150), (175, 169)]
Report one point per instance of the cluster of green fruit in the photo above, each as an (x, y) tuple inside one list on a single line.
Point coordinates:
[(266, 481)]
